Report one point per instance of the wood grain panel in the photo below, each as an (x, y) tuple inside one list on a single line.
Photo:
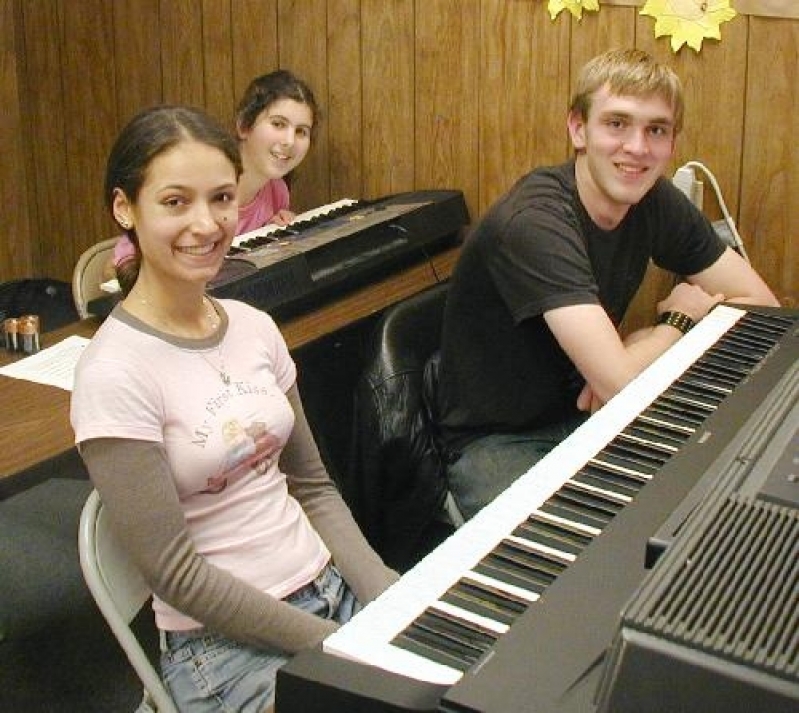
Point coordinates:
[(14, 254), (302, 28), (447, 87), (388, 93), (220, 97), (182, 52), (523, 96), (90, 111), (254, 40), (715, 87), (136, 57), (769, 220), (342, 113), (44, 135)]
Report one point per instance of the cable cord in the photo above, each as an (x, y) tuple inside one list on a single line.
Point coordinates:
[(739, 245)]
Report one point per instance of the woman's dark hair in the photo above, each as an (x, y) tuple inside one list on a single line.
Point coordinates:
[(269, 88), (146, 136)]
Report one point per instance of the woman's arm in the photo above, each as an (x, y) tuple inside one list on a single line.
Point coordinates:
[(134, 482)]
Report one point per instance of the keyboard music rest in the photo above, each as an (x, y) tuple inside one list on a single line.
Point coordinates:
[(613, 560)]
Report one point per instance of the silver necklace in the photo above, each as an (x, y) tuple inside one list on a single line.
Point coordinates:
[(213, 321)]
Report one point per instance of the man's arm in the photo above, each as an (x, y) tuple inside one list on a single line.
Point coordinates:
[(608, 364), (735, 278)]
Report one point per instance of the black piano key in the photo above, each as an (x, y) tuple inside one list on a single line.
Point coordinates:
[(485, 601), (683, 407), (707, 384), (668, 421), (748, 347), (624, 444), (551, 534), (721, 359), (652, 437), (428, 646), (435, 644), (569, 510), (608, 481), (628, 457), (495, 567), (601, 466), (721, 377), (696, 393), (516, 565), (602, 501), (467, 637)]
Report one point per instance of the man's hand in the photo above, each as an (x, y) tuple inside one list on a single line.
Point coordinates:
[(691, 300), (588, 401)]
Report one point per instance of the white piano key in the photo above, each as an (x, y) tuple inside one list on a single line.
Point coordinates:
[(500, 586), (483, 622), (307, 215)]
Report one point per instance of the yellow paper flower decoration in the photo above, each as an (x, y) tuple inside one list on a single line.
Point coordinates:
[(688, 20), (575, 7)]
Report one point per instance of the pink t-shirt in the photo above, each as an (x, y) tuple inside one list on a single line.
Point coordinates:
[(223, 441), (273, 197)]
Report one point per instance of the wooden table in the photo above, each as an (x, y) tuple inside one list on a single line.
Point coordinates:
[(36, 438)]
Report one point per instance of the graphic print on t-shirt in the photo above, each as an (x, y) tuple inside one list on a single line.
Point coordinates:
[(248, 448)]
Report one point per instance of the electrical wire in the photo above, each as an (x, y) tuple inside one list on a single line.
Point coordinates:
[(739, 245)]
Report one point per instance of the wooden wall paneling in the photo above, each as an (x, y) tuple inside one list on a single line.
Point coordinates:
[(15, 245), (447, 90), (182, 52), (302, 48), (598, 32), (388, 96), (769, 220), (254, 39), (217, 69), (137, 58), (524, 57), (90, 117), (714, 82), (342, 116), (44, 134)]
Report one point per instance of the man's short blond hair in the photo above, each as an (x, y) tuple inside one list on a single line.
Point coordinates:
[(628, 72)]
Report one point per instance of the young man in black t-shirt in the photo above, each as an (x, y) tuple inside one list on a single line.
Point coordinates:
[(530, 343)]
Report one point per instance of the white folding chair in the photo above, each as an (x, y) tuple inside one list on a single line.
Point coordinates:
[(88, 274), (120, 592)]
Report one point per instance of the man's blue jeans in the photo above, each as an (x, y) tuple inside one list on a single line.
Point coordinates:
[(488, 465), (209, 673)]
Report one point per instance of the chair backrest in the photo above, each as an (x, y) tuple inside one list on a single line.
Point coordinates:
[(88, 274), (395, 483), (120, 592)]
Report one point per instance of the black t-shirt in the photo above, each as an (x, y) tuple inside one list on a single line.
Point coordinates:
[(535, 250)]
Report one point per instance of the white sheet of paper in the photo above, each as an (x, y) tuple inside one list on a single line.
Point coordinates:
[(54, 365)]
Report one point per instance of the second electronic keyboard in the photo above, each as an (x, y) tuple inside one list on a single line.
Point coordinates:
[(337, 246), (515, 610)]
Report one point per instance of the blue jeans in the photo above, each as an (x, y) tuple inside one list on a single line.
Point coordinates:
[(209, 673), (488, 465)]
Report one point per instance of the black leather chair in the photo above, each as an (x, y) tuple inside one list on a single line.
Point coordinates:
[(395, 484)]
